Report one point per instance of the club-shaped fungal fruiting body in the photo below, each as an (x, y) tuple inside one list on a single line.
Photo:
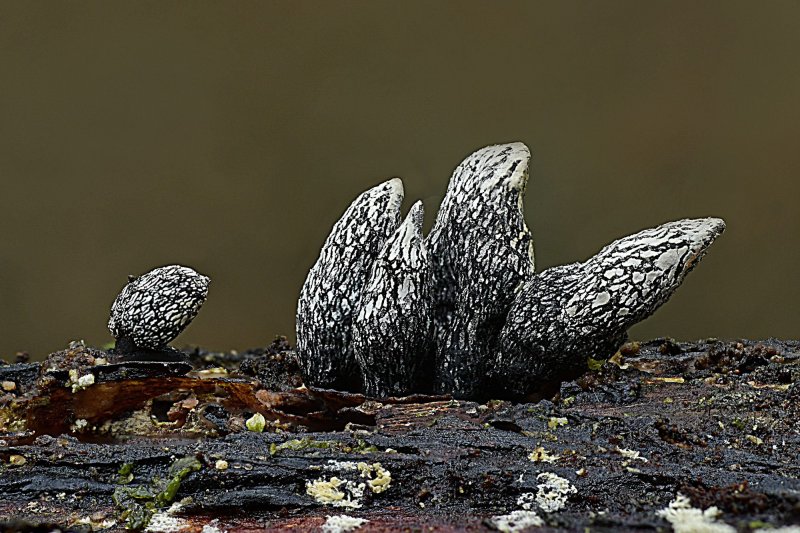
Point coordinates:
[(332, 291), (392, 329), (476, 312), (481, 251), (567, 313), (154, 308)]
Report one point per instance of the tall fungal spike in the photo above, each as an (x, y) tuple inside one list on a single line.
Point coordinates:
[(332, 290), (391, 332), (154, 308), (568, 313), (480, 251)]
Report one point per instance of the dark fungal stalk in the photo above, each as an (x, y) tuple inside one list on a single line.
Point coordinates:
[(332, 291), (568, 313), (498, 329), (154, 308), (481, 251), (391, 332)]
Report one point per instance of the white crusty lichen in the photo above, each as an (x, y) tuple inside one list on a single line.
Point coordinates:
[(556, 422), (336, 492), (78, 382), (553, 492), (339, 491), (166, 522), (79, 425), (342, 523), (341, 466), (516, 521), (540, 455), (94, 524), (211, 527), (687, 519), (526, 500), (378, 478), (633, 455)]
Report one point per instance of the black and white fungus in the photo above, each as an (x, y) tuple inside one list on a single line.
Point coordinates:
[(381, 303), (392, 330), (332, 291), (481, 251), (154, 308), (568, 313)]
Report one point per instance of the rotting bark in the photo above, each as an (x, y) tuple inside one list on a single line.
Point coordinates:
[(715, 421)]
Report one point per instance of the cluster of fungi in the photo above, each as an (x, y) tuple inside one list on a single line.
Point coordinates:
[(388, 311)]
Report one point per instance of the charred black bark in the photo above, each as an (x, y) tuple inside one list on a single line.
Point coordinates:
[(714, 421)]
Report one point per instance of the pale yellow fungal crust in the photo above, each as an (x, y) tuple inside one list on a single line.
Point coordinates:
[(345, 490), (378, 478), (540, 455)]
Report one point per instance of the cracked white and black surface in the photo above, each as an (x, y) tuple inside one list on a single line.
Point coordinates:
[(392, 330), (332, 290), (499, 330), (480, 252), (154, 308), (568, 313)]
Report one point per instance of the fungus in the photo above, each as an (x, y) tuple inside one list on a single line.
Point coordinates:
[(481, 250), (391, 332), (332, 291), (569, 312), (154, 308), (463, 312)]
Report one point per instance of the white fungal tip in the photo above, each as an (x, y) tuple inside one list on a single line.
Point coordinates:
[(701, 232), (395, 184), (416, 215), (390, 190), (394, 188), (503, 164)]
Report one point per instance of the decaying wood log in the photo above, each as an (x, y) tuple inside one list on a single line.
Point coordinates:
[(168, 444)]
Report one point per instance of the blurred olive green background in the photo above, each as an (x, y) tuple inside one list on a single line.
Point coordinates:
[(230, 136)]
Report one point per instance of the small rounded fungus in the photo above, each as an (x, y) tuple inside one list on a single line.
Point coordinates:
[(154, 308)]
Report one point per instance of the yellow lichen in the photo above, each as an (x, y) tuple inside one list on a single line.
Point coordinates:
[(378, 478), (755, 440), (540, 455), (328, 492), (256, 423), (666, 380)]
